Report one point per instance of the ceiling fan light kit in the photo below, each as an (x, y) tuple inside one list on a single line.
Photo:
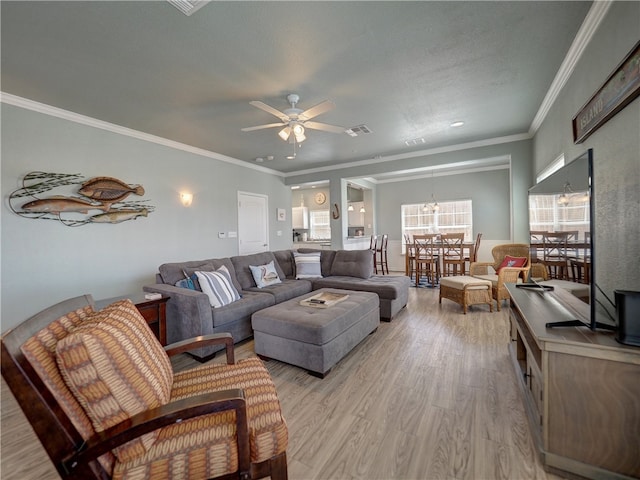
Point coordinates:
[(295, 120)]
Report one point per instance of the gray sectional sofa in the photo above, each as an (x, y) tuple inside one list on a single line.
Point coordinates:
[(189, 312)]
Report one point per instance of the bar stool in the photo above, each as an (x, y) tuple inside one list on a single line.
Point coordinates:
[(372, 246), (381, 252)]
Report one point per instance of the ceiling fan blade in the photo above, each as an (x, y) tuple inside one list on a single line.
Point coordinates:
[(317, 110), (324, 127), (263, 106), (260, 127)]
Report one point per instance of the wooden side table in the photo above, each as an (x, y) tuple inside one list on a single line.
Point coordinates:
[(153, 311)]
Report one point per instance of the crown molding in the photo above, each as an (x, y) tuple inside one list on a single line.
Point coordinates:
[(591, 22), (45, 109), (420, 153)]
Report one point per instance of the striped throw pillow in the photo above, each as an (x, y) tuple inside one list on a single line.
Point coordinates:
[(307, 265), (218, 287)]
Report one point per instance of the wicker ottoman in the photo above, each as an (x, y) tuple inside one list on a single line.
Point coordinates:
[(466, 291), (315, 338)]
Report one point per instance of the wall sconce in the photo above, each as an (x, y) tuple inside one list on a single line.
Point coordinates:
[(186, 199)]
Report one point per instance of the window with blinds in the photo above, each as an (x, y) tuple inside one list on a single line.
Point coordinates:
[(548, 213), (451, 217)]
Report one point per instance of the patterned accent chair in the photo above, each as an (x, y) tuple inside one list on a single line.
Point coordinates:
[(498, 274), (100, 393)]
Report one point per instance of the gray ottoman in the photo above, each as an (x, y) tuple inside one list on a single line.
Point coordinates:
[(315, 338)]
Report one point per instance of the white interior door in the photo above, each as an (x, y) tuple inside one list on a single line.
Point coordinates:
[(253, 228)]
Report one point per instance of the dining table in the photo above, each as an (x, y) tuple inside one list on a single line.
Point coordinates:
[(468, 251)]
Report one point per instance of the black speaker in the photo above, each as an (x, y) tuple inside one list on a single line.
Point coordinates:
[(628, 308)]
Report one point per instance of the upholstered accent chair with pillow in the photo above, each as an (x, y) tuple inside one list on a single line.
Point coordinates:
[(100, 393), (511, 264)]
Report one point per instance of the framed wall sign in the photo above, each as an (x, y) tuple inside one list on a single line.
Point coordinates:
[(622, 86)]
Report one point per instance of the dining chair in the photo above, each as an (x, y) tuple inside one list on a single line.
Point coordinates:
[(452, 254), (535, 240), (409, 256), (554, 254), (381, 253), (473, 254), (426, 258)]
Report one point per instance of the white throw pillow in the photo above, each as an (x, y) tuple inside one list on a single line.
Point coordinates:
[(307, 265), (218, 287), (265, 275)]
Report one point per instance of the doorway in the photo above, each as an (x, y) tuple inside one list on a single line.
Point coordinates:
[(253, 228)]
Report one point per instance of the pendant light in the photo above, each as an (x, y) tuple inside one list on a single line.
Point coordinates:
[(433, 206)]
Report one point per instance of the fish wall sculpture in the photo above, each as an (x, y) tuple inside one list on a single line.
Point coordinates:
[(100, 200)]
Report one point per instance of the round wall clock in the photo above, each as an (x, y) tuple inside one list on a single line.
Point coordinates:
[(320, 198)]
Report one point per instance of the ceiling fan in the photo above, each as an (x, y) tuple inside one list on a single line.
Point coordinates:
[(295, 120)]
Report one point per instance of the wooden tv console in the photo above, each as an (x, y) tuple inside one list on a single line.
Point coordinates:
[(581, 388)]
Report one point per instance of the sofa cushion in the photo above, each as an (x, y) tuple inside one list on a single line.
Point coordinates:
[(285, 290), (388, 287), (218, 287), (172, 272), (284, 258), (241, 309), (353, 263), (326, 259), (307, 265), (116, 368), (243, 272)]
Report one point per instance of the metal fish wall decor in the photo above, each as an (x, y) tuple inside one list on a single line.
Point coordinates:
[(100, 200)]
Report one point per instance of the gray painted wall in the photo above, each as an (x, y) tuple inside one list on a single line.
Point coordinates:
[(616, 147), (388, 196), (44, 262), (489, 192)]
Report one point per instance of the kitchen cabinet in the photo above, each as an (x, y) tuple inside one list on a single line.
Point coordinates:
[(300, 218)]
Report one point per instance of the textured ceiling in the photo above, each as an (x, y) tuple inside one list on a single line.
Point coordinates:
[(404, 69)]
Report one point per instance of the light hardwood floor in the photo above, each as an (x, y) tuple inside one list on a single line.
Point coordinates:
[(431, 395)]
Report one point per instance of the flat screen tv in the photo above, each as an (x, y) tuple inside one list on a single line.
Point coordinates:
[(564, 202)]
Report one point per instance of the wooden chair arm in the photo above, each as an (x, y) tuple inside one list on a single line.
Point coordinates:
[(203, 341), (174, 412), (479, 268)]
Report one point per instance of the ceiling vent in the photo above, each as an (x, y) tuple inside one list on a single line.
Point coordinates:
[(414, 142), (359, 130), (188, 7)]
